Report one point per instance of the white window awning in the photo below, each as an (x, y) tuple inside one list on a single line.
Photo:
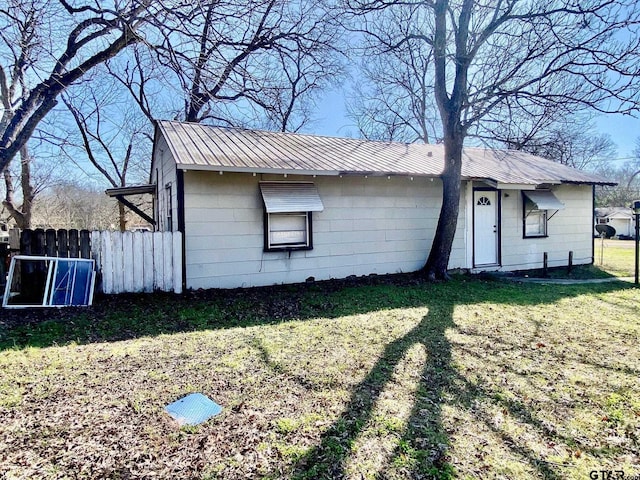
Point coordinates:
[(543, 200), (287, 197)]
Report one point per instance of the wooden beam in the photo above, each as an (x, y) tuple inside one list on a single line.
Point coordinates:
[(126, 202)]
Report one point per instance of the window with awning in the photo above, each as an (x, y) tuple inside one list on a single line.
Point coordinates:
[(543, 200), (288, 214), (537, 204)]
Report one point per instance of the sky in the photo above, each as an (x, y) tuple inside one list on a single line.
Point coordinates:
[(332, 121)]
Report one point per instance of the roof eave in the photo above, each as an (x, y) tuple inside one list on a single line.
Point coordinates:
[(291, 171), (131, 190), (602, 183)]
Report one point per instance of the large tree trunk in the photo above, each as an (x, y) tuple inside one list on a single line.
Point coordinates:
[(22, 215), (436, 266)]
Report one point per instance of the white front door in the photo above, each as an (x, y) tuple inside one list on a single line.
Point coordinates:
[(485, 227)]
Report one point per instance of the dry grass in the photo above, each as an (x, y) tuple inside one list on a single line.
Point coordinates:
[(616, 257), (406, 380)]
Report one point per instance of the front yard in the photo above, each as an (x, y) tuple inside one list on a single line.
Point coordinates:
[(388, 378)]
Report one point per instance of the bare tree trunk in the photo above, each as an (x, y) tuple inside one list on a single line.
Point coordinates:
[(122, 215), (436, 266), (22, 215)]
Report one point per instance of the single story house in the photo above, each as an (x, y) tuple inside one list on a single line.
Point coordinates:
[(621, 219), (260, 208)]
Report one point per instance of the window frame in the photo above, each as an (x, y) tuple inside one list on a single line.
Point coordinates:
[(537, 212), (284, 247), (168, 188)]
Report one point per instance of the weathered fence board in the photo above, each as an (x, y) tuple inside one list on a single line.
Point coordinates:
[(177, 263), (158, 271), (147, 262), (126, 261), (138, 263)]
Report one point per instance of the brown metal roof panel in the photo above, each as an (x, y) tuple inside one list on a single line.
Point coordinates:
[(210, 143), (202, 148), (194, 144), (263, 151)]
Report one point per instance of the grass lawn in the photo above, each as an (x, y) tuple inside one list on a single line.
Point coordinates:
[(616, 257), (390, 378)]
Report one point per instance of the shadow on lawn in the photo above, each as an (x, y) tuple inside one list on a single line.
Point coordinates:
[(129, 316), (423, 448), (422, 451)]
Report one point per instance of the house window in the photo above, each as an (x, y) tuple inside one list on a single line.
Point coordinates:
[(535, 223), (288, 208), (535, 213), (288, 230)]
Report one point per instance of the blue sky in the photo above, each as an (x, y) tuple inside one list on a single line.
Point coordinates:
[(332, 121), (624, 131)]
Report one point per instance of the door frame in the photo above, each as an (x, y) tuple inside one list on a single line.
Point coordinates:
[(498, 225)]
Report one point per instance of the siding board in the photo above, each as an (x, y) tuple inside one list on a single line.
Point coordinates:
[(389, 231)]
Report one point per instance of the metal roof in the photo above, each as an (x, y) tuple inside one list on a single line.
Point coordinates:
[(282, 197), (201, 147)]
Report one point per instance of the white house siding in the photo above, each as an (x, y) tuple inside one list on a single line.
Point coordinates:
[(568, 230), (623, 226), (369, 225), (163, 174)]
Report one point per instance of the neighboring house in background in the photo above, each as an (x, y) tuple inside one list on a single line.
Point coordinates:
[(260, 208), (621, 219), (4, 232)]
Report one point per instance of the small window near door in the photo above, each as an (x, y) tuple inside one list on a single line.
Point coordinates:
[(535, 221), (484, 201)]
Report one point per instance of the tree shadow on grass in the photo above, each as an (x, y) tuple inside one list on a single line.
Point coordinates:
[(329, 459), (129, 316), (422, 451)]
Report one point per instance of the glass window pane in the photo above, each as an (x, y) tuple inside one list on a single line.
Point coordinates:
[(535, 223), (286, 229)]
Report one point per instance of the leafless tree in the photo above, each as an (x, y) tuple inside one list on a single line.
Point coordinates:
[(47, 46), (21, 214), (490, 58), (570, 140), (392, 98), (24, 183), (72, 205), (628, 177), (239, 62), (112, 136)]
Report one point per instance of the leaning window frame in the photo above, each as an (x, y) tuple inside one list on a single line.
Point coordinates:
[(52, 289)]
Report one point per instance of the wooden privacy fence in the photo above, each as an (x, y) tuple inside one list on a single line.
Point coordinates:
[(125, 261)]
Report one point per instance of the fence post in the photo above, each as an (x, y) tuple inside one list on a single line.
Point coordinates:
[(545, 264), (63, 244), (74, 243), (37, 242), (570, 264), (148, 271), (25, 242), (14, 239), (85, 244), (50, 243)]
